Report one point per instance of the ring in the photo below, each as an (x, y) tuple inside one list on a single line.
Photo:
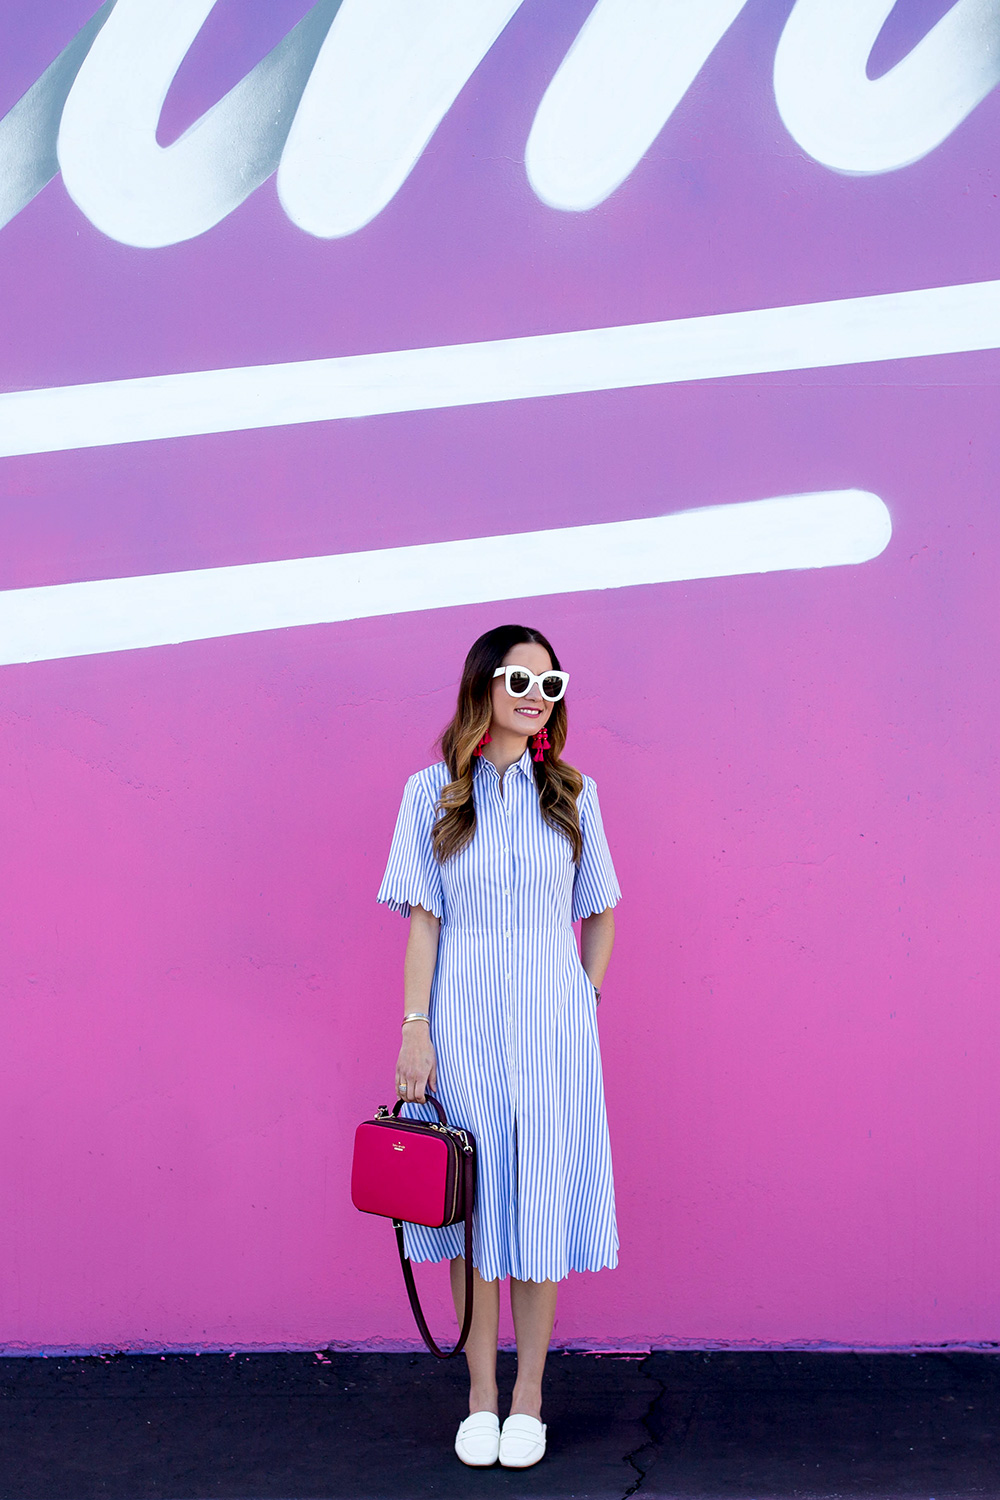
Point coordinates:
[(400, 1088)]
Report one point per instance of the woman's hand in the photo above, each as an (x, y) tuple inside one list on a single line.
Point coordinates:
[(416, 1068)]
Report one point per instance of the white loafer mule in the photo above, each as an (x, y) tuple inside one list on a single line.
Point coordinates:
[(522, 1442), (478, 1440)]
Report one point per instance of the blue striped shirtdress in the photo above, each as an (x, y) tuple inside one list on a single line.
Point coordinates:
[(513, 1021)]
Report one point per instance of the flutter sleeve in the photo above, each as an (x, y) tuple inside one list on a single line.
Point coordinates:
[(412, 876), (595, 885)]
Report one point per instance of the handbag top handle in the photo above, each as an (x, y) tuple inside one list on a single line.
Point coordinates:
[(442, 1117)]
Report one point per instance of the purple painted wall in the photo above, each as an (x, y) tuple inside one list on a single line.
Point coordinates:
[(797, 769)]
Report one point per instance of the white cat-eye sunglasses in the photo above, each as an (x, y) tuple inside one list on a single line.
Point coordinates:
[(520, 681)]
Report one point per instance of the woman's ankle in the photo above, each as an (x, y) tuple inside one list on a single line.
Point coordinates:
[(482, 1399), (527, 1403)]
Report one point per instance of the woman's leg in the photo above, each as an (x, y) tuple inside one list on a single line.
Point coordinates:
[(481, 1349), (533, 1305)]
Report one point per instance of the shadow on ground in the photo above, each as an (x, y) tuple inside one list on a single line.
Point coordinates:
[(731, 1426)]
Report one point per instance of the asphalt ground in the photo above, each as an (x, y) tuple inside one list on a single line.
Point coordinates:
[(757, 1426)]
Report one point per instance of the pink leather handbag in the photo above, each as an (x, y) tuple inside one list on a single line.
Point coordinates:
[(419, 1172)]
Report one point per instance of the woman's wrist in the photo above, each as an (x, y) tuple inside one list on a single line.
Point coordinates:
[(414, 1017)]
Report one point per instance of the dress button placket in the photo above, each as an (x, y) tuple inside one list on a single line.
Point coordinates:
[(512, 1024)]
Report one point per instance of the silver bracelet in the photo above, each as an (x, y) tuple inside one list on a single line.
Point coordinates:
[(417, 1015)]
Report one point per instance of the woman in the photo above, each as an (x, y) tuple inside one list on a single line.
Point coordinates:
[(497, 851)]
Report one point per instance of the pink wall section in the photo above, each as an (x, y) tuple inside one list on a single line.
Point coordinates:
[(797, 770)]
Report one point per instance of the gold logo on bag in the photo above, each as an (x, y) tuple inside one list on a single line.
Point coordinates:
[(398, 1146)]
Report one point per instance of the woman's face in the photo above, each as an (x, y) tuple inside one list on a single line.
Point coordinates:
[(522, 715)]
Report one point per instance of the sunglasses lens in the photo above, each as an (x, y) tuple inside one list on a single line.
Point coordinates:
[(552, 687), (517, 683)]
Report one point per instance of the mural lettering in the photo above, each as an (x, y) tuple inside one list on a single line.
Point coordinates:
[(345, 105), (342, 108)]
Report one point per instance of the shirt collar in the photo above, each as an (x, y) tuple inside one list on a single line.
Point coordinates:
[(523, 765)]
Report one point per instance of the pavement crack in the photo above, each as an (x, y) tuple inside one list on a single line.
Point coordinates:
[(642, 1457)]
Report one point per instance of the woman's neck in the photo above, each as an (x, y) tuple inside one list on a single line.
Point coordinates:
[(505, 748)]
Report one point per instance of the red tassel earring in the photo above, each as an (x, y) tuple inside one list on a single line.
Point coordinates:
[(541, 743), (486, 739)]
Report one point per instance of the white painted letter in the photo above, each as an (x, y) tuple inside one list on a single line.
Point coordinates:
[(387, 75), (854, 124), (140, 193), (622, 79), (28, 132)]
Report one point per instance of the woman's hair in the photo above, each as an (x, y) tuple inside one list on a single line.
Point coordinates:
[(558, 784)]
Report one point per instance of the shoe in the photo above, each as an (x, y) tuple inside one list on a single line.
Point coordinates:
[(478, 1439), (522, 1442)]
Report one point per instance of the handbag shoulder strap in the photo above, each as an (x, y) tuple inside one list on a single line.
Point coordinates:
[(469, 1170)]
